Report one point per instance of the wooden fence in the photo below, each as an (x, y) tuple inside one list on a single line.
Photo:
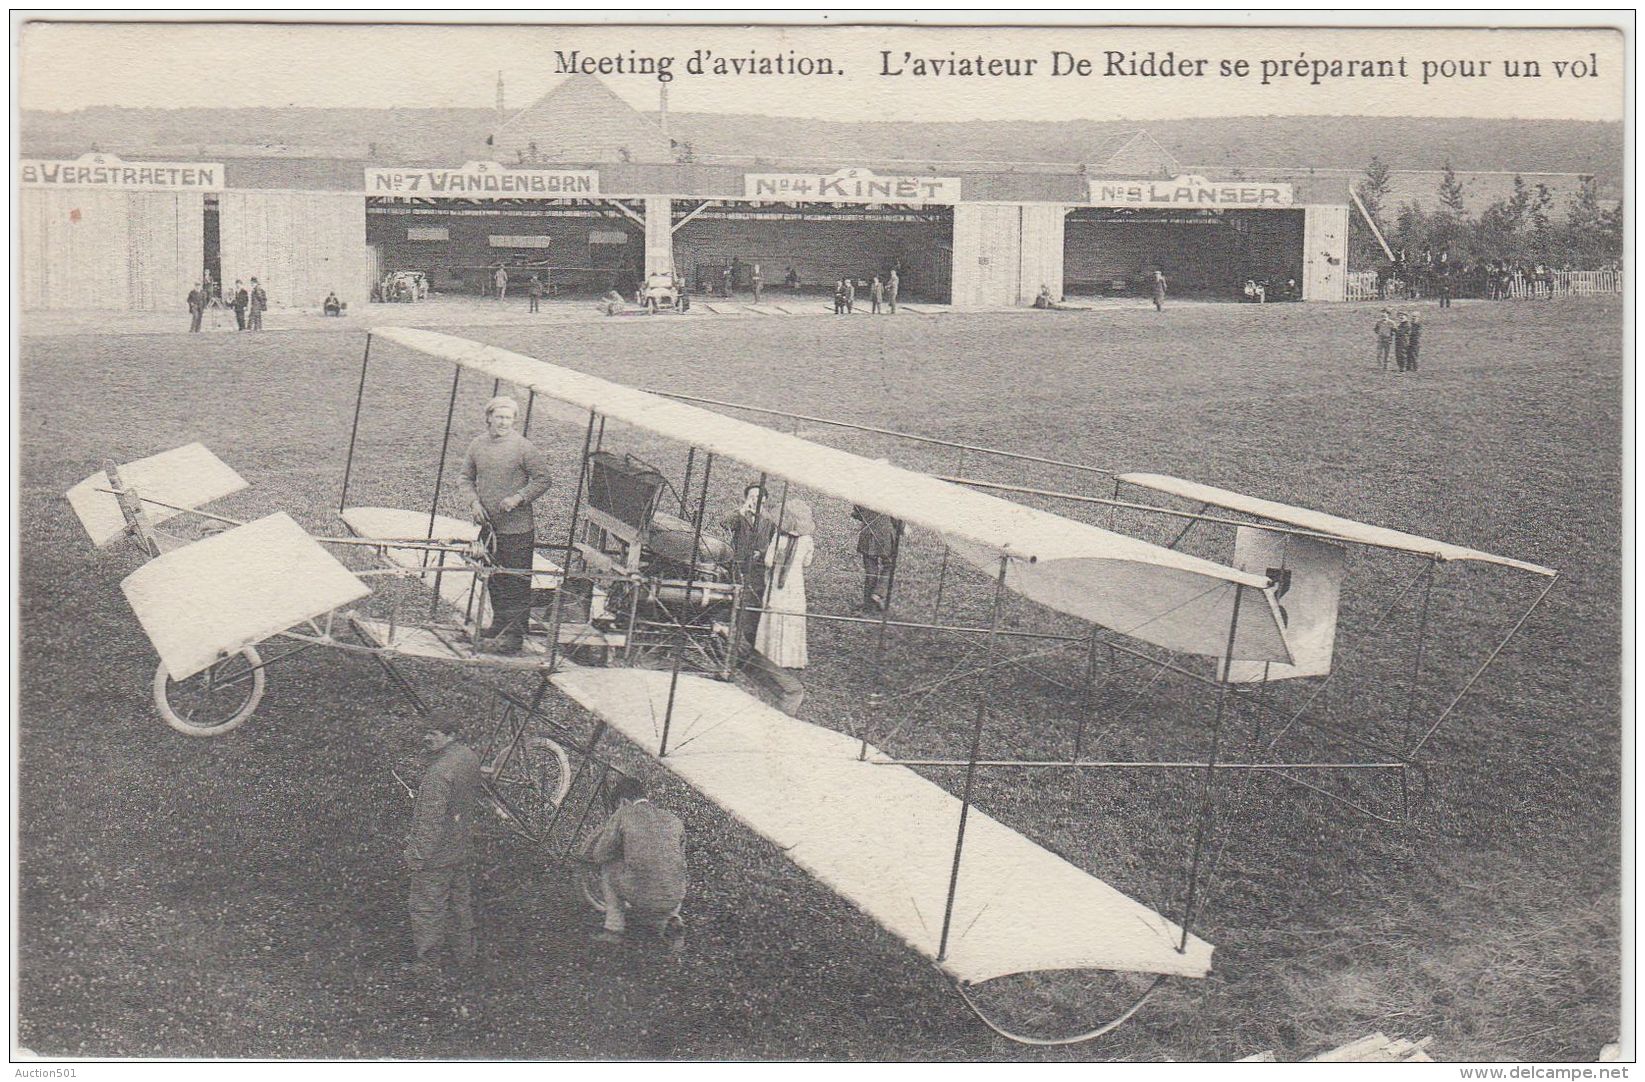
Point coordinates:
[(1362, 286)]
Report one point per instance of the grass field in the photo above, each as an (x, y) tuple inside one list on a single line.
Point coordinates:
[(242, 896)]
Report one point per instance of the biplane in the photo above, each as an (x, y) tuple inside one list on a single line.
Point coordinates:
[(635, 624)]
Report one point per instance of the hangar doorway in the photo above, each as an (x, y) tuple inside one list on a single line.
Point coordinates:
[(1205, 254), (818, 242), (576, 247)]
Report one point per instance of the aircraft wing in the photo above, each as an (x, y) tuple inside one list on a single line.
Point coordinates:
[(883, 836), (235, 589), (185, 477), (1149, 592), (1318, 521)]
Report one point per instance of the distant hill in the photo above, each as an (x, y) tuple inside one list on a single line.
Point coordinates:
[(448, 135), (1542, 146)]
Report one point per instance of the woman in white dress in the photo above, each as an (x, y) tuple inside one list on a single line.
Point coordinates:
[(781, 635)]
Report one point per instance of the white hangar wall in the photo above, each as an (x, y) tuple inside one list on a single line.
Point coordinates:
[(299, 245), (1325, 253), (1004, 252), (94, 248)]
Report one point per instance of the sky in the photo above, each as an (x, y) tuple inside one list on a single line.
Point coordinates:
[(1445, 72)]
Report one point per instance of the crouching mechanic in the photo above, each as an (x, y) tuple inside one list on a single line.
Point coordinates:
[(501, 477), (640, 853), (438, 850)]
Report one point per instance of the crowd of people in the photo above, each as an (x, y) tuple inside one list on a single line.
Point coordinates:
[(882, 294), (247, 302), (1443, 278), (1399, 338)]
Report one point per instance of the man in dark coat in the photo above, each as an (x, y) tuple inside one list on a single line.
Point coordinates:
[(1415, 345), (438, 852), (1402, 342), (877, 543), (240, 301), (258, 305), (534, 290), (196, 308), (750, 528)]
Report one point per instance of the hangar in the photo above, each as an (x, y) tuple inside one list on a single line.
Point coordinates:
[(588, 193)]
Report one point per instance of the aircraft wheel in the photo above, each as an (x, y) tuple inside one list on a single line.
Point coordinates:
[(534, 781), (215, 701), (554, 768)]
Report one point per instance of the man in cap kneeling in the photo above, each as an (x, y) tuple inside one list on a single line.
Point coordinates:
[(640, 854), (502, 475), (438, 851)]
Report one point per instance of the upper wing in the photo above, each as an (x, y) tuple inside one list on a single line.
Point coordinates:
[(1151, 593)]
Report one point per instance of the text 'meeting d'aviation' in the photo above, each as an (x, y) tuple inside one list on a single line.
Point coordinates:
[(699, 62)]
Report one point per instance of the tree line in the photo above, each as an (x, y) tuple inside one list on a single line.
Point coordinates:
[(1522, 229)]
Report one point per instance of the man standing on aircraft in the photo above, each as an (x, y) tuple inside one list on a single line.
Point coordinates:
[(502, 475), (640, 853), (750, 527), (437, 852)]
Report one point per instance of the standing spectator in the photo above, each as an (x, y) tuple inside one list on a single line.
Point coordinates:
[(259, 305), (892, 285), (241, 300), (1384, 330), (792, 280), (850, 295), (876, 294), (640, 853), (502, 475), (725, 281), (751, 528), (839, 297), (877, 544), (1447, 285), (757, 281), (781, 636), (438, 850), (196, 308), (500, 280), (1415, 345), (1159, 291), (1402, 341), (534, 290)]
